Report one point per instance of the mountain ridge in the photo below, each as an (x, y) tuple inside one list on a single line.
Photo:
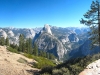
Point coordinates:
[(68, 37)]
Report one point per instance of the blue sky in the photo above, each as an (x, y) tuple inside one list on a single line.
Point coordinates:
[(36, 13)]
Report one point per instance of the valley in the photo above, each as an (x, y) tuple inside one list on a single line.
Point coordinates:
[(49, 37), (47, 47), (56, 40)]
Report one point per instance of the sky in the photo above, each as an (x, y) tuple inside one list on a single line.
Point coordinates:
[(36, 13)]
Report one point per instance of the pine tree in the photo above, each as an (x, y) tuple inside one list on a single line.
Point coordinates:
[(7, 41), (2, 41), (51, 56), (21, 43), (29, 48), (35, 49), (40, 53), (47, 55), (92, 19)]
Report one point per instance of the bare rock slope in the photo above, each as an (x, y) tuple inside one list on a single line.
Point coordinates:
[(9, 64), (92, 69)]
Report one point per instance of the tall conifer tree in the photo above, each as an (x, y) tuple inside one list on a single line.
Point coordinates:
[(21, 43), (7, 41), (92, 19)]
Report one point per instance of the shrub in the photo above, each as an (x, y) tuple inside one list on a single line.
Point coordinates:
[(41, 61), (47, 69), (62, 71), (28, 55), (73, 66), (65, 70), (57, 72), (12, 50)]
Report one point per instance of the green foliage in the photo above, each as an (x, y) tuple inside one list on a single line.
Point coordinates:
[(46, 55), (72, 66), (62, 71), (12, 50), (42, 62), (43, 54), (7, 41), (21, 43), (28, 46), (35, 49), (2, 41), (51, 56), (46, 70), (57, 72), (92, 19), (29, 55), (14, 46)]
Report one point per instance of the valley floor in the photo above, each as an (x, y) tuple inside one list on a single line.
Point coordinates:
[(12, 64)]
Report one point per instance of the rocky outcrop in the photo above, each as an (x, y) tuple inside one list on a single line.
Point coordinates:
[(92, 69)]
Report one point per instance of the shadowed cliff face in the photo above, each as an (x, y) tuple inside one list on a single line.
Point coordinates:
[(84, 50), (73, 37)]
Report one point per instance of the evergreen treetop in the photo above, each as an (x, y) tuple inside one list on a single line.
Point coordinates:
[(92, 19)]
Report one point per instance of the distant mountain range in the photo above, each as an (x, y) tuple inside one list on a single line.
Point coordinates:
[(62, 42)]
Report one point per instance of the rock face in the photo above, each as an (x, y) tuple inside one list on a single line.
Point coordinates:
[(47, 29), (92, 69), (49, 43), (73, 37), (13, 34), (10, 34), (3, 34)]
